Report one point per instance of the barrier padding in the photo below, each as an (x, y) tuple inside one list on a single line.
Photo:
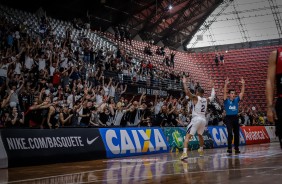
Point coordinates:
[(36, 147), (175, 137), (219, 135), (255, 134), (271, 133), (3, 154), (120, 142), (20, 147)]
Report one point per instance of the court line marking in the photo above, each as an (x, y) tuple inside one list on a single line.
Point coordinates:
[(241, 155), (211, 155), (249, 156), (193, 172), (63, 175)]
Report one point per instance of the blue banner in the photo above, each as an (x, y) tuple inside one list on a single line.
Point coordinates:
[(121, 142), (220, 136)]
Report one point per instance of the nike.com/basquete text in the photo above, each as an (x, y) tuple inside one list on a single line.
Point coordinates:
[(44, 142)]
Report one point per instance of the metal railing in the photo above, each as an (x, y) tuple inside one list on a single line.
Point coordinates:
[(159, 83)]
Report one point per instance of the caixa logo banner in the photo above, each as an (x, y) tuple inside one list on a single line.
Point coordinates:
[(220, 136), (121, 142), (255, 134)]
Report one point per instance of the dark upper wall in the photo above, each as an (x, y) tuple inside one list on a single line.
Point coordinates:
[(65, 10)]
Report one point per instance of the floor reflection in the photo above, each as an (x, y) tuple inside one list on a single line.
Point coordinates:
[(216, 167)]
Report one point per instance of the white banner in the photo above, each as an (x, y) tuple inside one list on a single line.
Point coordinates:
[(271, 132), (3, 155)]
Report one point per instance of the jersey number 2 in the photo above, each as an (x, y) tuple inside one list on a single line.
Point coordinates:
[(203, 108)]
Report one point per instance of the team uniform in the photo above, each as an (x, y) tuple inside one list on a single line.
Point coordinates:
[(278, 106), (198, 122)]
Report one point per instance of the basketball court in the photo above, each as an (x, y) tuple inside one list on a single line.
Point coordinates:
[(261, 163)]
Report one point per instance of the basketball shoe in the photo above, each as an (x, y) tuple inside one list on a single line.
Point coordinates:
[(201, 152), (183, 156)]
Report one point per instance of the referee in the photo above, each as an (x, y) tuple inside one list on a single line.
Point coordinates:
[(231, 106)]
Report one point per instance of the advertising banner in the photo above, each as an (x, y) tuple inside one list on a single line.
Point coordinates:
[(3, 155), (152, 91), (29, 147), (255, 134), (271, 133), (220, 135), (121, 142), (175, 137)]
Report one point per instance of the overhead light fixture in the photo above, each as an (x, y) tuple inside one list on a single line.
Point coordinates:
[(170, 7)]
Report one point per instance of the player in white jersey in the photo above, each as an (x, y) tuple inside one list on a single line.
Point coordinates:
[(198, 121)]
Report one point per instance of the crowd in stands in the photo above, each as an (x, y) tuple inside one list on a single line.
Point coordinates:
[(122, 33), (168, 59), (45, 82)]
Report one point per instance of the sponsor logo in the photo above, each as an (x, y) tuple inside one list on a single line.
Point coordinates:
[(255, 135), (134, 141), (43, 142), (175, 137), (93, 140), (232, 107), (220, 136)]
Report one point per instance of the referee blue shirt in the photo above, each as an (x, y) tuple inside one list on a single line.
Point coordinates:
[(231, 106)]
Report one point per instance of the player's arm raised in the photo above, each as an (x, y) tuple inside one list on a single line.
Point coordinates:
[(225, 88), (186, 89), (242, 89), (211, 98)]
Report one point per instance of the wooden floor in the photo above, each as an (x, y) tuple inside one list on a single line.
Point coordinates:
[(256, 164)]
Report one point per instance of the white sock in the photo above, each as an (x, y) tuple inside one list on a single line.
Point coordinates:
[(201, 148), (184, 150)]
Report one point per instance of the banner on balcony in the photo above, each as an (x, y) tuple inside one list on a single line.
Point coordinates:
[(152, 91)]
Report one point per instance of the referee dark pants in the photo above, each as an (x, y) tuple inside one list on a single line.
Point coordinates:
[(278, 123), (232, 124)]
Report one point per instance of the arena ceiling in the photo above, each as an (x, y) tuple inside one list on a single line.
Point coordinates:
[(169, 22), (243, 21), (187, 24), (149, 19)]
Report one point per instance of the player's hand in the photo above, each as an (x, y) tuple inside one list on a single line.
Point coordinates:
[(242, 80), (271, 114)]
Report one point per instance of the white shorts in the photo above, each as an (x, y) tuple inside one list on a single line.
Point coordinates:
[(197, 124)]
